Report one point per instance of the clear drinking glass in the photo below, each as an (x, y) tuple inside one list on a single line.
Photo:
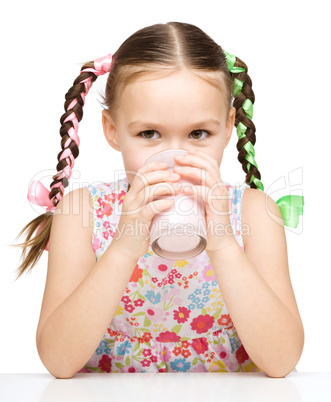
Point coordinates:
[(179, 232)]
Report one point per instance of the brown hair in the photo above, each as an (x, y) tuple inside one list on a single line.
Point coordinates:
[(159, 49)]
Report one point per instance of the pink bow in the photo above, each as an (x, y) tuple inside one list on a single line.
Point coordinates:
[(38, 195), (102, 65)]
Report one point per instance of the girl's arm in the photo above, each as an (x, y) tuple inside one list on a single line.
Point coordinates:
[(81, 296), (257, 289)]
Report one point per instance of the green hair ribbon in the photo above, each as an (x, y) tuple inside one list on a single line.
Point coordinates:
[(291, 206)]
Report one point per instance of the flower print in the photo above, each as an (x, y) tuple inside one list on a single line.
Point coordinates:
[(136, 274), (99, 213), (180, 365), (96, 242), (160, 264), (105, 363), (208, 273), (154, 314), (139, 302), (224, 320), (106, 224), (202, 323), (146, 352), (107, 209), (168, 336), (124, 348), (180, 263), (181, 315), (93, 190), (218, 366), (241, 355), (121, 196), (153, 297), (200, 345), (105, 235), (100, 201), (236, 196)]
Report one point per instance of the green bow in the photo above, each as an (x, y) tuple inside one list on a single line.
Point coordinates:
[(291, 206)]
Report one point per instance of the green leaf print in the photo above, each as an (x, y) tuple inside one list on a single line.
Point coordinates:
[(217, 314), (119, 365), (204, 311), (95, 369), (127, 361), (137, 346), (147, 322), (176, 329), (141, 282), (137, 314), (195, 360), (183, 338)]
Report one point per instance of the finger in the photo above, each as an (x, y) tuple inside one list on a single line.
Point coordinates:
[(201, 175), (216, 201), (204, 155), (142, 180)]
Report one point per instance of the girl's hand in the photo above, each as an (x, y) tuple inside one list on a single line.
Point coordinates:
[(138, 208), (213, 191)]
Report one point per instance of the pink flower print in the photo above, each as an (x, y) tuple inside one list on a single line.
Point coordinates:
[(161, 264), (154, 314), (96, 242), (202, 323), (208, 273), (105, 235), (168, 336), (182, 314), (99, 213), (107, 209), (165, 354), (100, 201), (200, 345), (106, 224)]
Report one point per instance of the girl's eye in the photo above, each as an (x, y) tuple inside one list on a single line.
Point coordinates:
[(151, 131)]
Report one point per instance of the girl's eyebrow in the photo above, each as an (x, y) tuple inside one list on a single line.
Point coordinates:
[(150, 124)]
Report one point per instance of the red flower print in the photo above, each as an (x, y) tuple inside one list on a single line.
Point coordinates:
[(146, 352), (121, 197), (106, 224), (129, 308), (182, 314), (126, 299), (186, 353), (105, 363), (177, 351), (105, 234), (138, 302), (168, 336), (145, 363), (99, 213), (200, 345), (136, 274), (146, 337), (185, 344), (202, 323), (241, 354), (100, 201), (224, 320)]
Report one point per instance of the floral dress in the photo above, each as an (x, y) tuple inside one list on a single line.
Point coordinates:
[(172, 316)]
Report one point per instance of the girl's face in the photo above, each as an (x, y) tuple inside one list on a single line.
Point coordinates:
[(180, 111)]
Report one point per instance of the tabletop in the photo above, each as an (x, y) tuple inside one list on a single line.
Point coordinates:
[(250, 386)]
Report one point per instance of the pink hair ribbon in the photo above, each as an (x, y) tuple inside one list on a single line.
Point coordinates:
[(37, 193)]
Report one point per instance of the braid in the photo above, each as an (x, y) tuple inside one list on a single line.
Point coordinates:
[(73, 105), (244, 99), (75, 100)]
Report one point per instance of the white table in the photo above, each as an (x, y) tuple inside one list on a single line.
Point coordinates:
[(157, 387)]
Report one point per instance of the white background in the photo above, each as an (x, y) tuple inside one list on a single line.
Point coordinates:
[(285, 46)]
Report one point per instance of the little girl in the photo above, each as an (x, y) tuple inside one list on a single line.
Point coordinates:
[(111, 304)]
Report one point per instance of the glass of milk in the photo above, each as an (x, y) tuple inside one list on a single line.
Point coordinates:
[(178, 232)]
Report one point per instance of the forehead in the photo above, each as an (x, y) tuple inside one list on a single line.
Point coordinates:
[(181, 95)]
